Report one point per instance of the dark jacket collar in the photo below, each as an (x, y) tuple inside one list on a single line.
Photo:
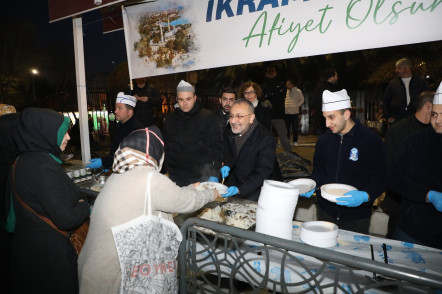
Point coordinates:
[(196, 108)]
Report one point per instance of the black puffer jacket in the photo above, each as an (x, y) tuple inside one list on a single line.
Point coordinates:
[(193, 143)]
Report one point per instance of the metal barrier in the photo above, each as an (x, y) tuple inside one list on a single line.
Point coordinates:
[(222, 252)]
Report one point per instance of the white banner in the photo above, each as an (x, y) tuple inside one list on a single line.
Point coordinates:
[(167, 36)]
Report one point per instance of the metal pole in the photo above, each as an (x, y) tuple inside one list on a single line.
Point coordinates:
[(81, 89), (33, 87)]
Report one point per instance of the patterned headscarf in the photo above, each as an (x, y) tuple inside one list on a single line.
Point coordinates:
[(141, 147)]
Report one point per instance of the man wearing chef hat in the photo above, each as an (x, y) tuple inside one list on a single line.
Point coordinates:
[(192, 140), (416, 175), (127, 122), (348, 153)]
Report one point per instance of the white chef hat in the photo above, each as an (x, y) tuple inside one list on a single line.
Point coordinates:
[(438, 96), (335, 100), (184, 86), (126, 99)]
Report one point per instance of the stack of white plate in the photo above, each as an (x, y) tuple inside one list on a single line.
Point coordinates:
[(319, 234), (276, 207)]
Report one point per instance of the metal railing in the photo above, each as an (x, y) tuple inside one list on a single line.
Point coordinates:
[(205, 260)]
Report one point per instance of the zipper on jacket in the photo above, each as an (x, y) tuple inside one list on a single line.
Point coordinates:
[(339, 159), (337, 172)]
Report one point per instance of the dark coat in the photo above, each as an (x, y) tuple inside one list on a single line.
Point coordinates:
[(192, 143), (395, 98), (415, 170), (223, 120), (263, 115), (123, 129), (274, 90), (43, 260), (395, 135), (367, 172), (223, 123), (145, 111), (254, 163)]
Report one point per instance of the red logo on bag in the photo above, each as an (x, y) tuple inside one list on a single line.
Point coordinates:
[(145, 269)]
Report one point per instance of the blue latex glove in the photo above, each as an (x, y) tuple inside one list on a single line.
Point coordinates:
[(356, 199), (308, 194), (435, 199), (231, 191), (95, 163), (224, 171), (213, 179)]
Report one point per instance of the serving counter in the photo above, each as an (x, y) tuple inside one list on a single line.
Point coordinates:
[(214, 263)]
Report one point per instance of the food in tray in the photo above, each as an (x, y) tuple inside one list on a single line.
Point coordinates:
[(222, 189), (240, 215), (221, 199), (212, 214)]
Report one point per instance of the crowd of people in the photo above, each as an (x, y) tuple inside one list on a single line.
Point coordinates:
[(157, 173)]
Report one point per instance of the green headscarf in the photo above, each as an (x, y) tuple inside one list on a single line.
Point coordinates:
[(63, 129)]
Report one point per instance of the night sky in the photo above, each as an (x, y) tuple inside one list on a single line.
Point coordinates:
[(102, 52)]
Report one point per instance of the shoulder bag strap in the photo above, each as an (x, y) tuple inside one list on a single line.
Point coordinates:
[(147, 196), (45, 219)]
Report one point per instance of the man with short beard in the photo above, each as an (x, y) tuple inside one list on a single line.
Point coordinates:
[(192, 140), (226, 100), (250, 152), (348, 153)]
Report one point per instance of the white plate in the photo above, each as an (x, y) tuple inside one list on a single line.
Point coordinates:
[(319, 233), (304, 185), (222, 189), (333, 191)]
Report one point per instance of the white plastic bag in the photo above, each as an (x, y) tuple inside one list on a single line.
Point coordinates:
[(147, 248)]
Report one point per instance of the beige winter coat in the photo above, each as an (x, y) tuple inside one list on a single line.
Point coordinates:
[(293, 100), (121, 200)]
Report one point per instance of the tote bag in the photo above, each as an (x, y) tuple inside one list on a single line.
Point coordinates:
[(147, 249)]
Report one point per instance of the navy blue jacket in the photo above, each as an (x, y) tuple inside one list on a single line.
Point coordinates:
[(357, 158), (415, 170), (253, 164)]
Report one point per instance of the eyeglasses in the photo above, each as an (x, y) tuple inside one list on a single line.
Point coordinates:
[(249, 93), (237, 116)]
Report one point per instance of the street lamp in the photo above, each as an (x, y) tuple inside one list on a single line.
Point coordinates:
[(34, 72)]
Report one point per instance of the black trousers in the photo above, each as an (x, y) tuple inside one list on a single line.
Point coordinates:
[(292, 122)]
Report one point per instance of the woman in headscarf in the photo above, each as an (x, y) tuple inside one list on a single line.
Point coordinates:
[(122, 200), (44, 260), (253, 92)]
